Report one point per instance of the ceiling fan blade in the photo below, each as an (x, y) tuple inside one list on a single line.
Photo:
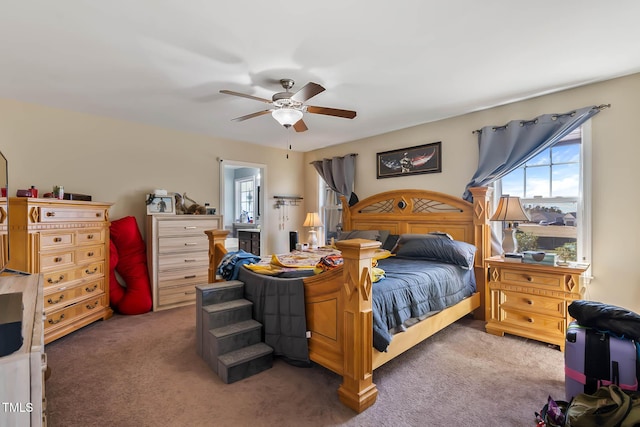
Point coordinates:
[(307, 91), (251, 116), (244, 95), (347, 114), (300, 126)]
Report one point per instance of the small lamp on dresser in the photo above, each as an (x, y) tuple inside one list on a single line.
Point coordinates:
[(510, 211), (312, 220)]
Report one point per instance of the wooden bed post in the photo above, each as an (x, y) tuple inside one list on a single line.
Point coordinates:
[(357, 391), (216, 251), (482, 229)]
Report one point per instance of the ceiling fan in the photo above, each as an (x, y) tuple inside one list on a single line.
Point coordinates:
[(288, 107)]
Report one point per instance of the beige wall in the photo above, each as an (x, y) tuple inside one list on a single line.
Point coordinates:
[(616, 149), (120, 162)]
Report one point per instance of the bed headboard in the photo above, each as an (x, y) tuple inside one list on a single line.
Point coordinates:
[(423, 211)]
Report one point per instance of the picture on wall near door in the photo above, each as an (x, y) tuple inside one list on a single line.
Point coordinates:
[(410, 161)]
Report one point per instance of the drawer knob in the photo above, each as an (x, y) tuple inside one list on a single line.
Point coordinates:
[(190, 227), (57, 239), (89, 290), (53, 282), (53, 322), (98, 215), (87, 271), (190, 292), (57, 259), (530, 302), (189, 260), (193, 276), (90, 253), (89, 236), (51, 301), (530, 320), (529, 279), (92, 306), (190, 244), (51, 213)]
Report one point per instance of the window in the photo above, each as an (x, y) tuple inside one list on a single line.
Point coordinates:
[(553, 189), (331, 211), (245, 198)]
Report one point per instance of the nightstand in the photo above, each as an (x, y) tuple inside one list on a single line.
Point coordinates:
[(531, 300)]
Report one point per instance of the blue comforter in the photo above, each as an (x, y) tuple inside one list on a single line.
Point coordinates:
[(413, 289)]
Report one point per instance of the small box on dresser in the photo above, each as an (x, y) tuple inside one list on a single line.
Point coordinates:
[(68, 242), (178, 256), (532, 300)]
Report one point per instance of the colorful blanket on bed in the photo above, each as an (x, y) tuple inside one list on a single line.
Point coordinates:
[(312, 262)]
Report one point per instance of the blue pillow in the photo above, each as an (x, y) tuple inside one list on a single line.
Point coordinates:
[(443, 250)]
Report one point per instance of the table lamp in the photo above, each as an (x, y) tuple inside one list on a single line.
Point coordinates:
[(510, 211), (312, 220)]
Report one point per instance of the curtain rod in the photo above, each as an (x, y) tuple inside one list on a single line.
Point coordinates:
[(350, 154), (599, 107)]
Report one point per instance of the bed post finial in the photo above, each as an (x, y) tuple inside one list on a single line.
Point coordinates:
[(482, 231)]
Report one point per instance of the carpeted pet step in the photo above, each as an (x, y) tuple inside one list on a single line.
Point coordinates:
[(245, 362), (219, 315), (235, 336), (213, 293)]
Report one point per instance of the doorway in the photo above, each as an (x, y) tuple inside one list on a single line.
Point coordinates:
[(242, 190)]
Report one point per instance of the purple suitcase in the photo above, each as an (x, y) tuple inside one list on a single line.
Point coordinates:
[(593, 359)]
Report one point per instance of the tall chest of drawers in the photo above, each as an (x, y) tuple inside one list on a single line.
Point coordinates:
[(532, 300), (178, 256), (68, 242)]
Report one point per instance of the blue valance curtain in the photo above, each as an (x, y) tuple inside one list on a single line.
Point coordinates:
[(339, 174), (505, 148)]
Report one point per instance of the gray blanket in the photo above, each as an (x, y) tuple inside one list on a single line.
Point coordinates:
[(279, 305)]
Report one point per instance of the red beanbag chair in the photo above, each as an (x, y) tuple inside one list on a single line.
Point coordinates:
[(129, 259)]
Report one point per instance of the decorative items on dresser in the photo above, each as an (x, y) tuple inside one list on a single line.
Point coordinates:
[(178, 256), (532, 300), (22, 371), (249, 240), (68, 242)]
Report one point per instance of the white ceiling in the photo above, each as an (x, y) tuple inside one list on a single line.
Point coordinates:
[(397, 63)]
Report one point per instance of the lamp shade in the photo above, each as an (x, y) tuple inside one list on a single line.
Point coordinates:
[(510, 210), (312, 220), (287, 116)]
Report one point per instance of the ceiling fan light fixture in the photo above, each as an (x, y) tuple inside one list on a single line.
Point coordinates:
[(287, 116)]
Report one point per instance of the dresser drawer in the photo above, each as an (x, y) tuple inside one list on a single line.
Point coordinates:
[(183, 244), (72, 294), (528, 278), (533, 303), (57, 260), (60, 279), (70, 213), (187, 227), (90, 253), (182, 277), (547, 325), (177, 294), (68, 314), (91, 237), (92, 270), (195, 260), (56, 240)]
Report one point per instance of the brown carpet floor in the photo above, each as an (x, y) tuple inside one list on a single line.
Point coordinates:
[(144, 371)]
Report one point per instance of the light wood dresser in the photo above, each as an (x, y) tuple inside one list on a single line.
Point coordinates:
[(22, 372), (68, 242), (532, 300), (178, 256)]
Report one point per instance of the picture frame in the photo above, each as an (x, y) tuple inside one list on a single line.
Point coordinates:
[(420, 159), (161, 205)]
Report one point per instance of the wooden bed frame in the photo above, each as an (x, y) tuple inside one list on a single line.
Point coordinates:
[(338, 302)]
